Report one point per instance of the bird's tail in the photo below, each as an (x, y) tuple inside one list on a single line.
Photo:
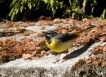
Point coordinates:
[(85, 30)]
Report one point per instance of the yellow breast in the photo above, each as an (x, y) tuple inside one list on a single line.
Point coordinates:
[(58, 46)]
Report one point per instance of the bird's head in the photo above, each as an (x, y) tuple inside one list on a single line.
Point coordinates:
[(49, 35)]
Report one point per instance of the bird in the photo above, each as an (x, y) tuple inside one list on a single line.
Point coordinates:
[(59, 42)]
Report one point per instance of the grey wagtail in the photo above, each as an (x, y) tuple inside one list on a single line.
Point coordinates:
[(59, 42)]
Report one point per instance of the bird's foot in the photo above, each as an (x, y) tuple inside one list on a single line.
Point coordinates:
[(64, 60), (56, 61)]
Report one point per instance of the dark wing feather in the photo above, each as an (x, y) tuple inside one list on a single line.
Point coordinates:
[(66, 37)]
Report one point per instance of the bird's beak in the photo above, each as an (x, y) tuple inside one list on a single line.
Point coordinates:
[(44, 33)]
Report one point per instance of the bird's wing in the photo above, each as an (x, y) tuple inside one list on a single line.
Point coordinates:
[(66, 37)]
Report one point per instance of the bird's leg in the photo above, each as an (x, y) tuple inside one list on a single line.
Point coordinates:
[(65, 59), (57, 59)]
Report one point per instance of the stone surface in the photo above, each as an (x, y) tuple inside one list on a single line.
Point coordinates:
[(45, 67)]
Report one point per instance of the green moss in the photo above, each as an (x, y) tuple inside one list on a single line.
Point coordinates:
[(22, 30)]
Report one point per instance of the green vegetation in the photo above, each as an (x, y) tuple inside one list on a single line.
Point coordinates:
[(31, 9)]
